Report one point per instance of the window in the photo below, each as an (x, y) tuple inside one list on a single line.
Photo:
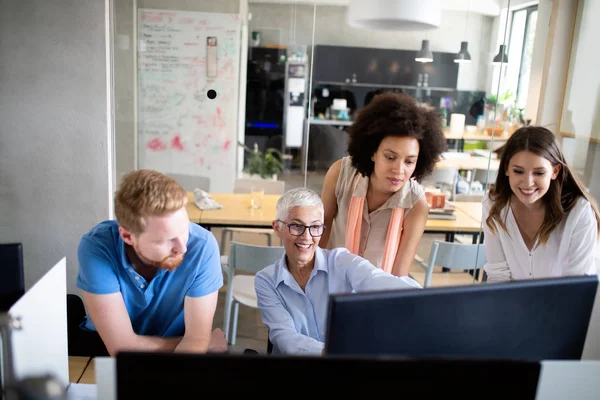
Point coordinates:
[(520, 49)]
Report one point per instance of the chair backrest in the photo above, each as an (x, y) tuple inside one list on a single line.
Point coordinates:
[(12, 282), (191, 182), (457, 255), (245, 185), (251, 258)]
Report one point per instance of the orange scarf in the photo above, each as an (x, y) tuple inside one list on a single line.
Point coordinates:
[(354, 225)]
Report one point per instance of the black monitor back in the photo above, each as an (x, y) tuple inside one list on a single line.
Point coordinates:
[(168, 375), (12, 283), (533, 320)]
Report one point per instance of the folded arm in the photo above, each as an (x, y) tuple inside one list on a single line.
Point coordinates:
[(198, 314), (412, 231), (110, 317)]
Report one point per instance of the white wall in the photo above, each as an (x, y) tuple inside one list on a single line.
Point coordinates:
[(538, 59), (277, 22), (581, 103), (581, 106), (55, 140), (558, 45)]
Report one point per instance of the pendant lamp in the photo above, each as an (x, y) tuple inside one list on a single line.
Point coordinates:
[(463, 56), (501, 57), (424, 55)]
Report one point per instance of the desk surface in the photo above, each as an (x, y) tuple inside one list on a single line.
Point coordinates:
[(236, 212), (193, 211), (473, 209), (465, 222), (476, 136), (89, 375), (465, 161), (77, 367)]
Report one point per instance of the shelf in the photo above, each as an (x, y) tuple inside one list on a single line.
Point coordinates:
[(333, 122), (360, 84)]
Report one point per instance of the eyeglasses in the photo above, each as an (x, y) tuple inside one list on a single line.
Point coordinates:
[(299, 229)]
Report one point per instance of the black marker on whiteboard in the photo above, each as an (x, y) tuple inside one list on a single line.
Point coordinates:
[(211, 56)]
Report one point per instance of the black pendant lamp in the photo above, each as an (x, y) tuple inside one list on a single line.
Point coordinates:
[(424, 55), (463, 55), (501, 57)]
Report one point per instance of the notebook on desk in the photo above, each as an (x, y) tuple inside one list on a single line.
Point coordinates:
[(446, 212)]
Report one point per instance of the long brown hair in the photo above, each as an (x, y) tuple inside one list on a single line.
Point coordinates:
[(562, 193)]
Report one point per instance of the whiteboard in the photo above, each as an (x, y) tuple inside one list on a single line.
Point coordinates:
[(180, 129)]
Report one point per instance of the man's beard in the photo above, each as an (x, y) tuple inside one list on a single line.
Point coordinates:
[(169, 263)]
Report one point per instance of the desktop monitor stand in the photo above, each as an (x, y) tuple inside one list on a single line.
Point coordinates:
[(7, 325)]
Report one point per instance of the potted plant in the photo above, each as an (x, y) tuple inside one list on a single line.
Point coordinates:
[(267, 164)]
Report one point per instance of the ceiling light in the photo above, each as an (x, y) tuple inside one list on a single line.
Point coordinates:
[(501, 57), (424, 55), (395, 15), (463, 55)]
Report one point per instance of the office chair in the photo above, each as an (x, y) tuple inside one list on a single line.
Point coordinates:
[(12, 281), (240, 288), (453, 255), (81, 342)]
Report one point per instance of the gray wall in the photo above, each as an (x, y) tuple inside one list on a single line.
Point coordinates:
[(54, 138)]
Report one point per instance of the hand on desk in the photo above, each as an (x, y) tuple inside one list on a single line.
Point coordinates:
[(218, 343)]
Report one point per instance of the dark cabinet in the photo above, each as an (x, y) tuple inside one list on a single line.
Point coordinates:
[(371, 66)]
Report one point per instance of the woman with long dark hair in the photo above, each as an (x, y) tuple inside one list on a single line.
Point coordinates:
[(539, 220), (374, 203)]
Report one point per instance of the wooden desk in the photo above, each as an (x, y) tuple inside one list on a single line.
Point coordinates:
[(77, 367), (89, 375), (464, 224), (193, 211), (475, 136), (464, 162), (236, 212), (473, 209), (464, 136)]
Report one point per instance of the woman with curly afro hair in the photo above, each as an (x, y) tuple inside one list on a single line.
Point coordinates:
[(374, 204)]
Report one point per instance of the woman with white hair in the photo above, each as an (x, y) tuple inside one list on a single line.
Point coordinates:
[(293, 293)]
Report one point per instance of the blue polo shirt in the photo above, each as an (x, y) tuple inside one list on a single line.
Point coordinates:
[(155, 308)]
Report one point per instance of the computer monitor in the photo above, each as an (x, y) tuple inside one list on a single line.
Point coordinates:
[(535, 320), (166, 375)]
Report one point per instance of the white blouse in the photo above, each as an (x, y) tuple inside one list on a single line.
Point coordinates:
[(570, 250)]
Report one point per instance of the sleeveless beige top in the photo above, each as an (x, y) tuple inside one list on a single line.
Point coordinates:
[(374, 225)]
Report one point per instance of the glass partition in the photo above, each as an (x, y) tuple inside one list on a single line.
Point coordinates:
[(215, 91), (479, 105), (255, 98)]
